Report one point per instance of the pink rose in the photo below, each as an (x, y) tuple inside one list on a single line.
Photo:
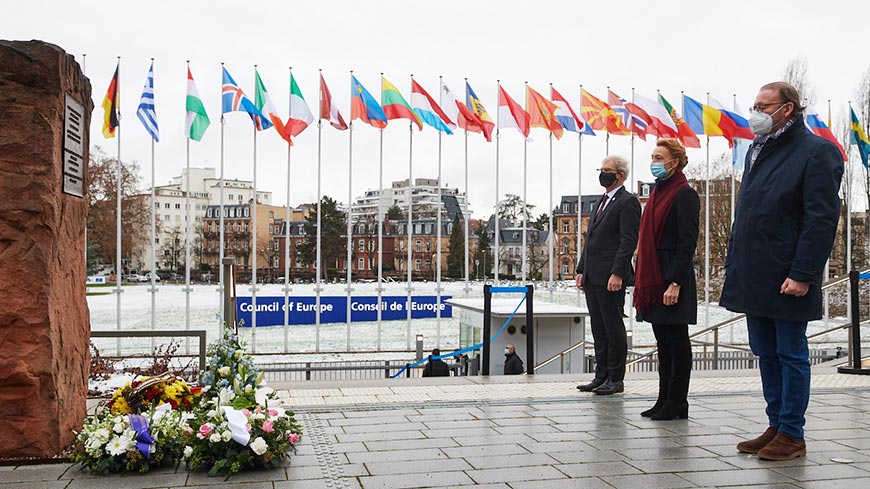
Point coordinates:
[(267, 427), (248, 427), (187, 430), (273, 412), (204, 431), (246, 413), (293, 438), (259, 410)]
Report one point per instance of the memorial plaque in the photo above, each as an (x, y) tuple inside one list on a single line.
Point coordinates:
[(73, 148)]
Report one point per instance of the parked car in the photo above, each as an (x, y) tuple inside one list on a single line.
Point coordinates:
[(148, 277), (207, 277)]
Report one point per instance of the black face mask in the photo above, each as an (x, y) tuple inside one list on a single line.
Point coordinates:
[(606, 179)]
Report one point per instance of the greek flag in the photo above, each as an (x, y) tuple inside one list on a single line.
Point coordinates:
[(146, 112)]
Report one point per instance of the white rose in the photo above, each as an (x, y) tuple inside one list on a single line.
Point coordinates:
[(237, 354), (224, 371), (188, 451), (118, 428), (101, 435), (259, 446), (227, 436), (214, 438)]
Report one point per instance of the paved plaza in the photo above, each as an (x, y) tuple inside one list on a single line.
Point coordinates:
[(533, 432)]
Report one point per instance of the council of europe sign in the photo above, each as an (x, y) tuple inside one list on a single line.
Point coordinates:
[(333, 309)]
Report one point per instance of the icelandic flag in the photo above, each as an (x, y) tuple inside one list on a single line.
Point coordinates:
[(566, 116), (428, 109), (234, 100), (146, 112), (819, 128)]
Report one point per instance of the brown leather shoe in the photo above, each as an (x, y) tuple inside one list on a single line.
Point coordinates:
[(783, 447), (753, 446)]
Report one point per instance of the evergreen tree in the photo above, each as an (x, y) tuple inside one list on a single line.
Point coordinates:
[(333, 239), (483, 254), (456, 258), (395, 214)]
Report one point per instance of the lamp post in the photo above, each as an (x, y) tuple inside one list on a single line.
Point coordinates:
[(477, 267)]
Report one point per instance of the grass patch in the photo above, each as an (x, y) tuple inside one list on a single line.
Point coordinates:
[(97, 293)]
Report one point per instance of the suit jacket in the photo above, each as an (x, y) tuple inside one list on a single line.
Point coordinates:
[(610, 241)]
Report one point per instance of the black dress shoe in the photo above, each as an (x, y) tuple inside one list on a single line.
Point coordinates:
[(591, 385), (672, 410), (609, 388), (649, 412)]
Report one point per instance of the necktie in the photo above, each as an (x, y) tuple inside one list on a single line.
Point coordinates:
[(601, 207)]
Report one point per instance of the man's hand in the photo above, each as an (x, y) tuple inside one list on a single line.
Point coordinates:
[(578, 280), (672, 295), (795, 288), (614, 283)]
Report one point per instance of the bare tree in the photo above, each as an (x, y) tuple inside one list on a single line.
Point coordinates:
[(796, 73)]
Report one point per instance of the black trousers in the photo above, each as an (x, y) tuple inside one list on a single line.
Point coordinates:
[(608, 330), (675, 360)]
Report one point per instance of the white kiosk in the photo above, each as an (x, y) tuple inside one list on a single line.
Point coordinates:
[(556, 327)]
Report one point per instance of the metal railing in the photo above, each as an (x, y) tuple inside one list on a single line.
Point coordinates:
[(356, 370), (163, 333)]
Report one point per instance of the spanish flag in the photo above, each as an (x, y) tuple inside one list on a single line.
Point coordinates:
[(111, 102)]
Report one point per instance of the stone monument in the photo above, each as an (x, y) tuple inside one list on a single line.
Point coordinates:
[(45, 109)]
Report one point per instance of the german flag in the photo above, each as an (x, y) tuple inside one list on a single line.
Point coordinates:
[(111, 103)]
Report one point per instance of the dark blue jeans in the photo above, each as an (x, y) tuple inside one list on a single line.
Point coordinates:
[(784, 361)]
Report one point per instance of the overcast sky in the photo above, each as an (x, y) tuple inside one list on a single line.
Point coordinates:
[(724, 48)]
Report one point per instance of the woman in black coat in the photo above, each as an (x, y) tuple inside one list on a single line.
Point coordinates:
[(665, 293)]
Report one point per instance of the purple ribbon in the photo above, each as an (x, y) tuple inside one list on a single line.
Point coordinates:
[(139, 424)]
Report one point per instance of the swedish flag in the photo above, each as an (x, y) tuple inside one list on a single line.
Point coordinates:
[(860, 139)]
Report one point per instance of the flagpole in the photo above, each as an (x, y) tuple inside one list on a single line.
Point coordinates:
[(380, 233), (187, 288), (85, 72), (467, 288), (632, 188), (828, 261), (579, 214), (349, 258), (495, 219), (410, 224), (550, 240), (707, 238), (523, 261), (848, 198), (438, 248), (254, 245), (287, 232), (733, 195), (222, 231), (318, 265), (153, 289), (118, 266)]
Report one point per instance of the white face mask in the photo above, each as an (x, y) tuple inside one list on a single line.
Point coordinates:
[(507, 352), (761, 123)]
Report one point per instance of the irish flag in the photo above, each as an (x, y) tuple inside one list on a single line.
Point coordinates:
[(197, 119), (395, 106), (264, 102), (300, 115)]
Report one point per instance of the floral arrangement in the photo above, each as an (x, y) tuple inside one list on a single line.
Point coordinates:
[(238, 424), (151, 392), (130, 443)]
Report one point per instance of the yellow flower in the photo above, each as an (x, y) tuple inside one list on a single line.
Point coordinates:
[(120, 406)]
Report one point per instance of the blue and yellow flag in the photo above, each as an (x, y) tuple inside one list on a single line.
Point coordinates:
[(860, 139)]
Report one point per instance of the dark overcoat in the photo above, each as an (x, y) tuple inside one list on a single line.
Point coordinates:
[(610, 241), (676, 253), (784, 226)]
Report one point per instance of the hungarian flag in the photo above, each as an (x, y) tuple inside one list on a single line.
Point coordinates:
[(196, 121), (542, 112), (395, 106), (329, 110), (511, 114), (599, 115), (300, 114), (684, 133), (364, 107), (264, 102), (111, 105)]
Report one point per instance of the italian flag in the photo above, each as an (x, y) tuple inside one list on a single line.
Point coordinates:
[(300, 115), (197, 118), (264, 102)]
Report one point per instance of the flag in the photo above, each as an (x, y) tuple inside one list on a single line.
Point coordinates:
[(328, 110), (566, 116), (233, 99), (146, 113), (264, 103), (196, 121), (635, 118), (712, 120), (860, 139), (511, 114), (660, 124), (428, 110), (111, 105), (684, 133), (542, 113), (814, 122), (456, 110), (741, 144), (364, 107), (476, 107), (395, 105), (300, 114), (741, 123), (600, 115)]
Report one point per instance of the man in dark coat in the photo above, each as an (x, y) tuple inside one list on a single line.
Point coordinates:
[(604, 270), (513, 364), (782, 234), (436, 367)]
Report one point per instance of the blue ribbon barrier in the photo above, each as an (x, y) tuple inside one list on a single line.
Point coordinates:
[(139, 424), (864, 275), (473, 347)]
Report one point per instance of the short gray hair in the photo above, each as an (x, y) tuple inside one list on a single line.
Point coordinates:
[(621, 163)]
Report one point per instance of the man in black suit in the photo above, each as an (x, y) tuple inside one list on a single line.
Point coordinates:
[(604, 270)]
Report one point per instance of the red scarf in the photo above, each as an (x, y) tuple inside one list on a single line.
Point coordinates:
[(649, 284)]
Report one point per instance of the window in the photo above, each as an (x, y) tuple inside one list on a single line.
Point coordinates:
[(166, 205), (566, 226), (275, 261), (362, 245), (167, 217), (428, 246), (564, 247), (565, 269), (156, 240), (418, 246), (566, 207), (271, 229), (417, 265), (271, 214), (231, 196), (157, 205), (178, 206), (401, 246), (361, 264), (372, 245)]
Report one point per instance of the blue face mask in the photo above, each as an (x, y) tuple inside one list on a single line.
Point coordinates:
[(658, 169)]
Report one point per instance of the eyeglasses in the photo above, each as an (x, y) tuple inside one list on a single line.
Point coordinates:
[(607, 170), (761, 107)]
